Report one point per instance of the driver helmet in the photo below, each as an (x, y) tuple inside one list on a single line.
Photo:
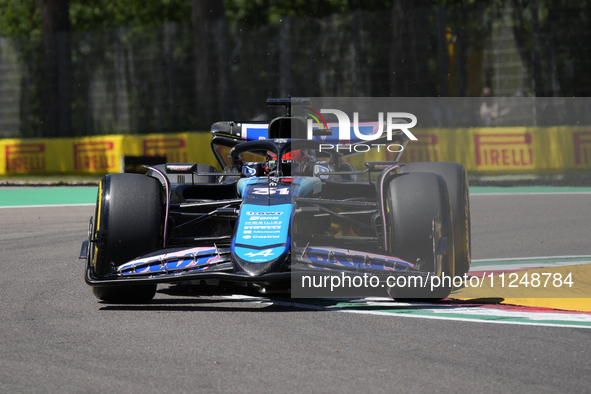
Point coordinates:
[(296, 162)]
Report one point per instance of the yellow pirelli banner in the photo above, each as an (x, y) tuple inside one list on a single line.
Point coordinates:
[(98, 154), (509, 150), (496, 150), (177, 148)]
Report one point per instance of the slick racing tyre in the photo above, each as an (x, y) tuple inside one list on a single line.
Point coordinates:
[(456, 178), (128, 223), (418, 217)]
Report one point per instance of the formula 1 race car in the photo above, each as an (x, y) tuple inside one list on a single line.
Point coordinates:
[(283, 206)]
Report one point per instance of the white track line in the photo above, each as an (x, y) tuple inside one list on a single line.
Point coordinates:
[(476, 312), (532, 258), (473, 320), (466, 311), (524, 193)]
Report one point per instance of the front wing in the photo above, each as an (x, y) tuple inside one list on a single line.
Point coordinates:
[(200, 263)]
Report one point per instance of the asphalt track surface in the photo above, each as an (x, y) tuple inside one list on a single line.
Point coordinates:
[(56, 337)]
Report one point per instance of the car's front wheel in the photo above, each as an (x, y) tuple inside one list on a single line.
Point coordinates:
[(420, 230), (456, 178), (127, 224)]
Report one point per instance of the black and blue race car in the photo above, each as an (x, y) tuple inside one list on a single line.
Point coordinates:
[(283, 208)]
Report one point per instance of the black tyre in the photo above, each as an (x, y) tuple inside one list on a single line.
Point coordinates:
[(456, 178), (128, 224), (418, 215)]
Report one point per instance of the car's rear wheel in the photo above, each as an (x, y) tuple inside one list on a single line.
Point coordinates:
[(128, 224), (419, 227), (456, 178)]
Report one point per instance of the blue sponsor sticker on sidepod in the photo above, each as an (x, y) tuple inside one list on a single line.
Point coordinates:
[(261, 226)]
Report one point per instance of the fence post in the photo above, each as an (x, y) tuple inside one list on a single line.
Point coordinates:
[(285, 85), (169, 43), (538, 83), (442, 51), (356, 52), (224, 69), (121, 109)]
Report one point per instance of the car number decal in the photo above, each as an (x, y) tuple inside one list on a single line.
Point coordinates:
[(271, 190)]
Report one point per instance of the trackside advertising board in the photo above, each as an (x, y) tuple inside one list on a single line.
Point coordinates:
[(501, 150), (98, 154), (488, 135), (498, 150)]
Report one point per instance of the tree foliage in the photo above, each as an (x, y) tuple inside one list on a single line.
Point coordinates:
[(257, 13), (98, 14), (20, 18)]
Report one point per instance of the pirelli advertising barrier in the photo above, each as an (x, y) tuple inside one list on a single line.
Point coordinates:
[(481, 150), (511, 150), (99, 154)]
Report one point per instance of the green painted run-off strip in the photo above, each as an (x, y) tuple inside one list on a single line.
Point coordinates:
[(27, 196), (527, 189), (472, 312), (517, 262)]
